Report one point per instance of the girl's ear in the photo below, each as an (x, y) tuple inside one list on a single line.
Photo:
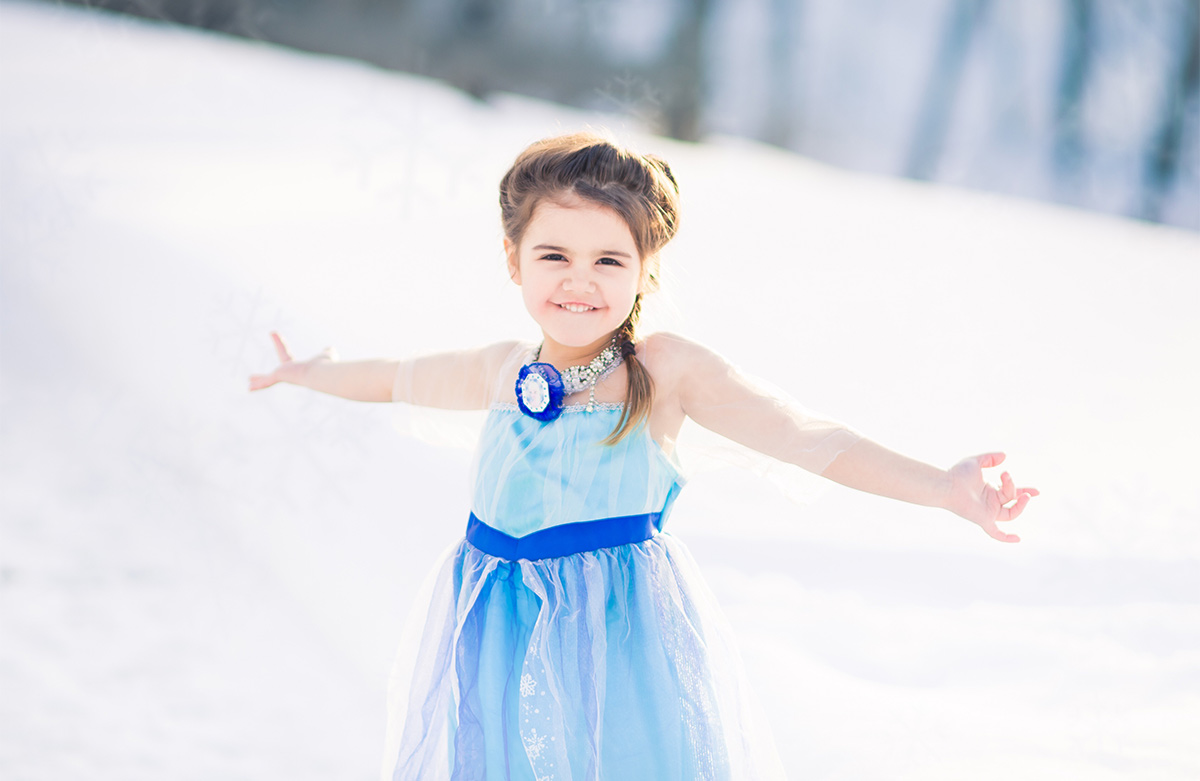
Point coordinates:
[(649, 277), (514, 265)]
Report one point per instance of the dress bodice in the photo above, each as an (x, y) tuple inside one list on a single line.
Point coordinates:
[(531, 475)]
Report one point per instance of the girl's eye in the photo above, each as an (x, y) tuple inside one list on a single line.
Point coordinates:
[(609, 261), (553, 256)]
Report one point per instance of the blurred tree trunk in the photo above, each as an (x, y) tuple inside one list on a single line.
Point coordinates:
[(227, 16), (683, 70), (1078, 43), (941, 90), (463, 51), (1164, 153), (779, 127)]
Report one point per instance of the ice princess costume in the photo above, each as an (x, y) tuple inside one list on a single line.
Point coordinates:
[(568, 637)]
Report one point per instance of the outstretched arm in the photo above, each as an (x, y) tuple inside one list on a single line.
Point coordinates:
[(719, 397), (454, 380), (961, 489), (357, 380)]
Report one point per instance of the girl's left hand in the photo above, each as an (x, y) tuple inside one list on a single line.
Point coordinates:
[(984, 504)]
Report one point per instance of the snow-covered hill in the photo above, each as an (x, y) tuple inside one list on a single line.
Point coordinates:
[(197, 582)]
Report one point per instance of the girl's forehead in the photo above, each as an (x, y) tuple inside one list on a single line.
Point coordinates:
[(584, 221)]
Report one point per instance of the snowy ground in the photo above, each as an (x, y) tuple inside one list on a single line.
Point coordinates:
[(197, 582)]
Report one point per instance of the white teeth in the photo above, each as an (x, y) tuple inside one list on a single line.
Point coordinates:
[(576, 308)]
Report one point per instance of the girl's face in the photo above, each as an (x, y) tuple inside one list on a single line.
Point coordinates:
[(579, 270)]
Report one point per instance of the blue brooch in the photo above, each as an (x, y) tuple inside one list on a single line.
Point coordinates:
[(540, 391)]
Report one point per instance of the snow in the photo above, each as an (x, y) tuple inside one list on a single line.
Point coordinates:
[(199, 582)]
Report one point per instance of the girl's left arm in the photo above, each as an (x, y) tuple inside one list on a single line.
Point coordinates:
[(962, 489), (719, 397)]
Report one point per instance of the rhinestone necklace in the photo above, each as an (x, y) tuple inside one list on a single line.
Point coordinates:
[(541, 388)]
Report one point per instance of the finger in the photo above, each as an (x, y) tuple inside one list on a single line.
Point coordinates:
[(1009, 513), (988, 460), (260, 381), (995, 533), (1023, 497), (281, 348), (1008, 491)]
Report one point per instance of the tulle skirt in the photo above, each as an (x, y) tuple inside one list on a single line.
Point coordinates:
[(604, 665)]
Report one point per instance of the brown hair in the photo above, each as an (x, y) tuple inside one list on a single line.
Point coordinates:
[(640, 188)]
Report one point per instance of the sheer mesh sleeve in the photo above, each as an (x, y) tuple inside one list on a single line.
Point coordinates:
[(443, 398), (462, 380), (745, 421)]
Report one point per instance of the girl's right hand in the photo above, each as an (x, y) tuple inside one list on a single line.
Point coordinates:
[(289, 369)]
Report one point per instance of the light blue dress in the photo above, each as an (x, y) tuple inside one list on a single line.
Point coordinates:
[(612, 663)]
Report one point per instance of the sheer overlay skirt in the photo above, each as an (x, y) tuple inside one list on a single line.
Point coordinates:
[(608, 664)]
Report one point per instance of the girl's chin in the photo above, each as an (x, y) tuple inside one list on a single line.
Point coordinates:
[(579, 337), (576, 329)]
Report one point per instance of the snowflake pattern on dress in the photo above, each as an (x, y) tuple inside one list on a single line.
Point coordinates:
[(535, 744), (540, 727)]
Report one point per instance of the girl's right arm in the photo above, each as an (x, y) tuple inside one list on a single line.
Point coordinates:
[(358, 380), (456, 380)]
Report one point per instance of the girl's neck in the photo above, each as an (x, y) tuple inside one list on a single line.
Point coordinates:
[(563, 356)]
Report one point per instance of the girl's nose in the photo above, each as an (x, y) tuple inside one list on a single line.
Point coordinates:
[(578, 282)]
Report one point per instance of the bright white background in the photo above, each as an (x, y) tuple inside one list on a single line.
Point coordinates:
[(197, 582)]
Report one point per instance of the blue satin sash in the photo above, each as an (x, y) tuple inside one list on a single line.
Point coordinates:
[(565, 539)]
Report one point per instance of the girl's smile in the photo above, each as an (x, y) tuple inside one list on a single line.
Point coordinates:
[(577, 307)]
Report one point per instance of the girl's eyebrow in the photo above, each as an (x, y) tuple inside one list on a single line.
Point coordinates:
[(553, 248)]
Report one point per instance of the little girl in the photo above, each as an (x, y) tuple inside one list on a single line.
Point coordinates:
[(567, 636)]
